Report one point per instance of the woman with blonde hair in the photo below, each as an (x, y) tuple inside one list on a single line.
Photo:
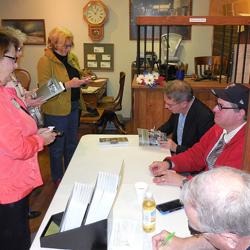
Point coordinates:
[(63, 110)]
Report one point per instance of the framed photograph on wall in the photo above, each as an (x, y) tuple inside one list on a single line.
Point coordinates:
[(159, 8), (33, 28)]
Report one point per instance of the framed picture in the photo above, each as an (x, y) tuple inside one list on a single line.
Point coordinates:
[(33, 28), (159, 8), (99, 56)]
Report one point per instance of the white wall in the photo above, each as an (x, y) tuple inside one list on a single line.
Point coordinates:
[(69, 14)]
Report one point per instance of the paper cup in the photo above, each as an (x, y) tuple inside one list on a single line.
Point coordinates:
[(141, 189)]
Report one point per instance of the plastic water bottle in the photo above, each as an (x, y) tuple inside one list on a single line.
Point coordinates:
[(149, 213)]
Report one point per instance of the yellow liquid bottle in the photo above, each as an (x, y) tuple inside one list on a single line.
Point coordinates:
[(149, 213)]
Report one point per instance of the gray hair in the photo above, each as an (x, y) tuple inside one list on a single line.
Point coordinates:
[(179, 91), (18, 34), (237, 109), (6, 40), (221, 198)]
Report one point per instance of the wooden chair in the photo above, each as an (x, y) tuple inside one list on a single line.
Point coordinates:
[(111, 105), (206, 66), (111, 99), (23, 76), (92, 121)]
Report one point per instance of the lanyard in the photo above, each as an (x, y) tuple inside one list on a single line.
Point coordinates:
[(16, 104)]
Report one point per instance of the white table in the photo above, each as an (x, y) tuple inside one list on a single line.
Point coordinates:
[(90, 158)]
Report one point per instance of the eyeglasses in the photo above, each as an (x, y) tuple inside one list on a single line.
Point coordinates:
[(220, 107), (14, 59), (66, 46), (194, 231), (19, 49), (171, 105)]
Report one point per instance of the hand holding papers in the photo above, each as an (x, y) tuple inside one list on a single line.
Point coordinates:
[(150, 137), (90, 90)]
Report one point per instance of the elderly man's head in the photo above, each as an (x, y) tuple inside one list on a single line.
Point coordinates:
[(217, 204), (232, 105), (177, 96)]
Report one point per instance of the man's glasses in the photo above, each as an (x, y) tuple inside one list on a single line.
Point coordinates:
[(194, 231), (14, 59), (220, 107), (172, 105)]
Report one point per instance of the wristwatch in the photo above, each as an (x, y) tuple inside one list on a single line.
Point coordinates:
[(185, 180)]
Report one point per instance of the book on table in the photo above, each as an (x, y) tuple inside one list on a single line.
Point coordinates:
[(50, 89), (150, 137), (113, 141), (88, 204)]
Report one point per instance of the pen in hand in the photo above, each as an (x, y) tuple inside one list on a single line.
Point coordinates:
[(166, 240)]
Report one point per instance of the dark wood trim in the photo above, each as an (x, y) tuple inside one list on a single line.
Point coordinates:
[(185, 20)]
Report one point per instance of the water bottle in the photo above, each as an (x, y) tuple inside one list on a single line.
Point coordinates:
[(149, 213)]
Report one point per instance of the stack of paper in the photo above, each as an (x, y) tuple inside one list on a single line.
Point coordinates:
[(91, 204), (103, 198), (90, 90), (126, 235), (100, 80), (76, 206)]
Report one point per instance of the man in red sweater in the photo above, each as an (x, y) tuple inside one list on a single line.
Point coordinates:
[(222, 145)]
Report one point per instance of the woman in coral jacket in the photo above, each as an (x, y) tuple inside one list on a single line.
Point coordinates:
[(20, 142)]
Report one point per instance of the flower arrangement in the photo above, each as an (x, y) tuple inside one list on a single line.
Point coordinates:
[(150, 79)]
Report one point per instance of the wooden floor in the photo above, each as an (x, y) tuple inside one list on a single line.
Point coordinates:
[(41, 197)]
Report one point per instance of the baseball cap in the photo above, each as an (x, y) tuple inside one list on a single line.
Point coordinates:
[(235, 93)]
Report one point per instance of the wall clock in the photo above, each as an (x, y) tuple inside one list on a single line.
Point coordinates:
[(95, 13)]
